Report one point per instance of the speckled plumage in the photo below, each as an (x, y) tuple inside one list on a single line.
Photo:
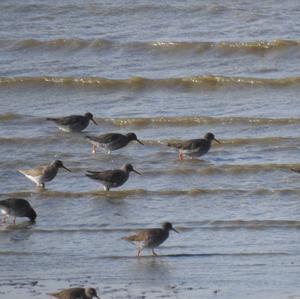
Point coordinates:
[(150, 238)]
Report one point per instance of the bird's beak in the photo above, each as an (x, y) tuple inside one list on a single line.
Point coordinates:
[(140, 142), (66, 168), (94, 122), (176, 231), (137, 172), (216, 140)]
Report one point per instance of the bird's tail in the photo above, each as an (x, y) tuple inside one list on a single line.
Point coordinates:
[(92, 174), (53, 294), (129, 238), (91, 140), (174, 144)]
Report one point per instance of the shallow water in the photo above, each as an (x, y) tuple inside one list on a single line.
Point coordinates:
[(170, 71)]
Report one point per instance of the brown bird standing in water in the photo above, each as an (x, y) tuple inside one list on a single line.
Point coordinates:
[(150, 238), (194, 147)]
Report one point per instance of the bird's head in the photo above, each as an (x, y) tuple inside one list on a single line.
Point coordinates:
[(211, 137), (132, 136)]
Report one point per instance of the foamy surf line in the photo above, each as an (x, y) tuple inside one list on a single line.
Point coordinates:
[(168, 121), (211, 81), (198, 47), (184, 227), (137, 193)]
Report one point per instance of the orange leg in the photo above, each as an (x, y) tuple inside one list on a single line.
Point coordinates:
[(180, 156), (94, 149)]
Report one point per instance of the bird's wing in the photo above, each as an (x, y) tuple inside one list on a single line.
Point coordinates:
[(34, 171), (106, 138), (176, 144), (68, 120), (193, 144), (106, 176), (4, 203), (68, 293), (143, 235)]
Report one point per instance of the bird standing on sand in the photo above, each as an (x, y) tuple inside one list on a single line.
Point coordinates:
[(194, 147), (73, 123), (111, 141), (76, 293), (16, 207), (151, 238), (42, 174), (112, 178)]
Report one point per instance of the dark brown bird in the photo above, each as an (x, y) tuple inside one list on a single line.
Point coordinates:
[(17, 207), (194, 147), (295, 170), (73, 123), (112, 141), (76, 293), (151, 238), (112, 178)]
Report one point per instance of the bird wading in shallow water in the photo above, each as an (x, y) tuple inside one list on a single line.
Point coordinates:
[(73, 123), (17, 207), (194, 147), (42, 174), (111, 141), (76, 293), (112, 178), (150, 238)]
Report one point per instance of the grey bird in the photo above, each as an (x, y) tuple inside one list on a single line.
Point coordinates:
[(112, 141), (112, 178), (194, 147), (150, 238), (76, 293), (73, 123), (295, 170), (42, 174), (17, 207)]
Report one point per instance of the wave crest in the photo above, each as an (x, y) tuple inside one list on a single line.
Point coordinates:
[(194, 82)]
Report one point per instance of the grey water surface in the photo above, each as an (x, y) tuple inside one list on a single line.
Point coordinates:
[(168, 71)]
